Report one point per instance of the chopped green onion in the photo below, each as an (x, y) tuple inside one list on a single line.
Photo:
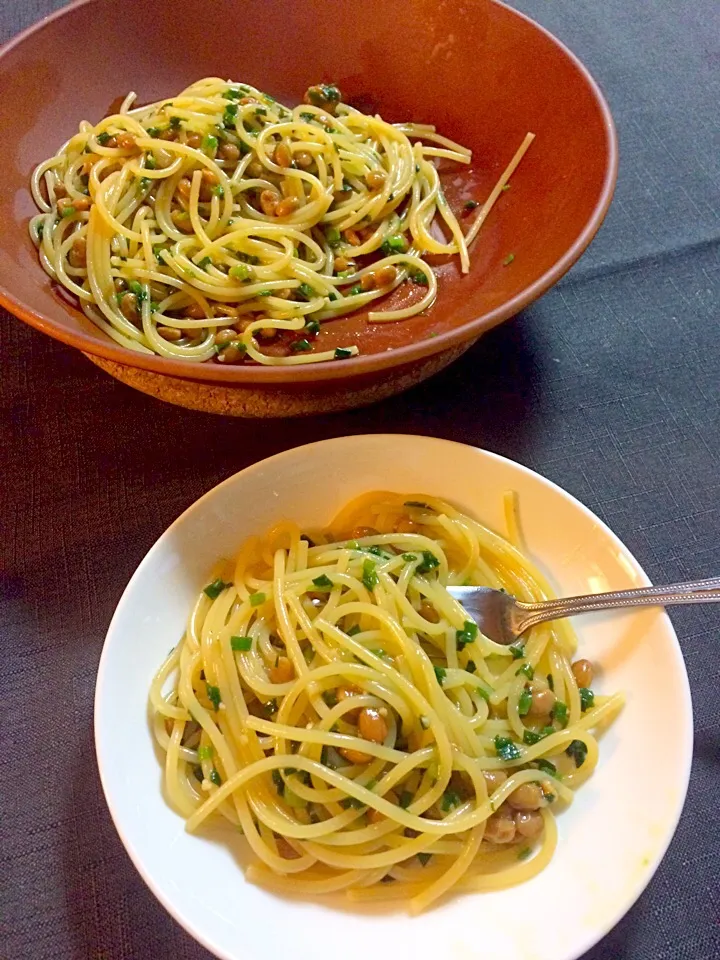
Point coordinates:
[(352, 803), (526, 670), (175, 122), (354, 291), (354, 631), (210, 143), (394, 244), (215, 777), (332, 235), (341, 353), (313, 327), (423, 857), (308, 117), (205, 263), (506, 749), (551, 681), (559, 712), (153, 131), (470, 205), (369, 574), (429, 562), (506, 187), (240, 271), (213, 695), (450, 799), (508, 259), (524, 702), (323, 582), (231, 94), (102, 138), (468, 634), (524, 853), (219, 191), (419, 278), (546, 766), (265, 293), (440, 674), (409, 557), (68, 212), (205, 753), (150, 161), (483, 693), (300, 346), (470, 666), (405, 799), (377, 551), (306, 291), (531, 738), (279, 782), (241, 643), (330, 698), (214, 589), (256, 599), (578, 751), (587, 698), (517, 652)]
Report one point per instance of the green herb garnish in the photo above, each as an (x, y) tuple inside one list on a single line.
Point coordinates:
[(423, 857), (332, 235), (215, 777), (239, 272), (213, 694), (559, 712), (578, 751), (341, 353), (526, 670), (506, 749), (175, 122), (440, 674), (450, 799), (468, 634), (279, 782), (300, 346), (102, 138), (429, 562), (587, 698), (405, 799), (369, 574), (214, 589), (256, 599), (409, 557), (394, 244), (241, 643), (517, 652), (205, 753), (313, 327), (354, 631), (546, 766), (305, 290), (352, 803), (470, 205), (150, 161), (524, 702), (508, 259), (323, 582)]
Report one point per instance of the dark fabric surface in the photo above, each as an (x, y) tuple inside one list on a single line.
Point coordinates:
[(610, 386)]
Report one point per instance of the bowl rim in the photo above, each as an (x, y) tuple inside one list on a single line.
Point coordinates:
[(642, 880), (363, 363)]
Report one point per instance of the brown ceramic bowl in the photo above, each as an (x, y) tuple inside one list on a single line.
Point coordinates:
[(483, 73)]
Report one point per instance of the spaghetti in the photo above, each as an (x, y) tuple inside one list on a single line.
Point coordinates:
[(222, 225), (333, 700)]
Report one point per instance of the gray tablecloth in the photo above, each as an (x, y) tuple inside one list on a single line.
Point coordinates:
[(610, 386)]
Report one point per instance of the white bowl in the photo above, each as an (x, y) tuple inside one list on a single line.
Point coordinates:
[(611, 839)]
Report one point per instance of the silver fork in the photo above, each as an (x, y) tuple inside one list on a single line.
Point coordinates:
[(504, 619)]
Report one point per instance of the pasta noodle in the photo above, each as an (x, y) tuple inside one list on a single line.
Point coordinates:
[(220, 224), (331, 699)]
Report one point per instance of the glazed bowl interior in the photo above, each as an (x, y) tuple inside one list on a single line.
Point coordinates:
[(482, 73)]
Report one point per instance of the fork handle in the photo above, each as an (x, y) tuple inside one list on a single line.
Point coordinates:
[(697, 591)]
